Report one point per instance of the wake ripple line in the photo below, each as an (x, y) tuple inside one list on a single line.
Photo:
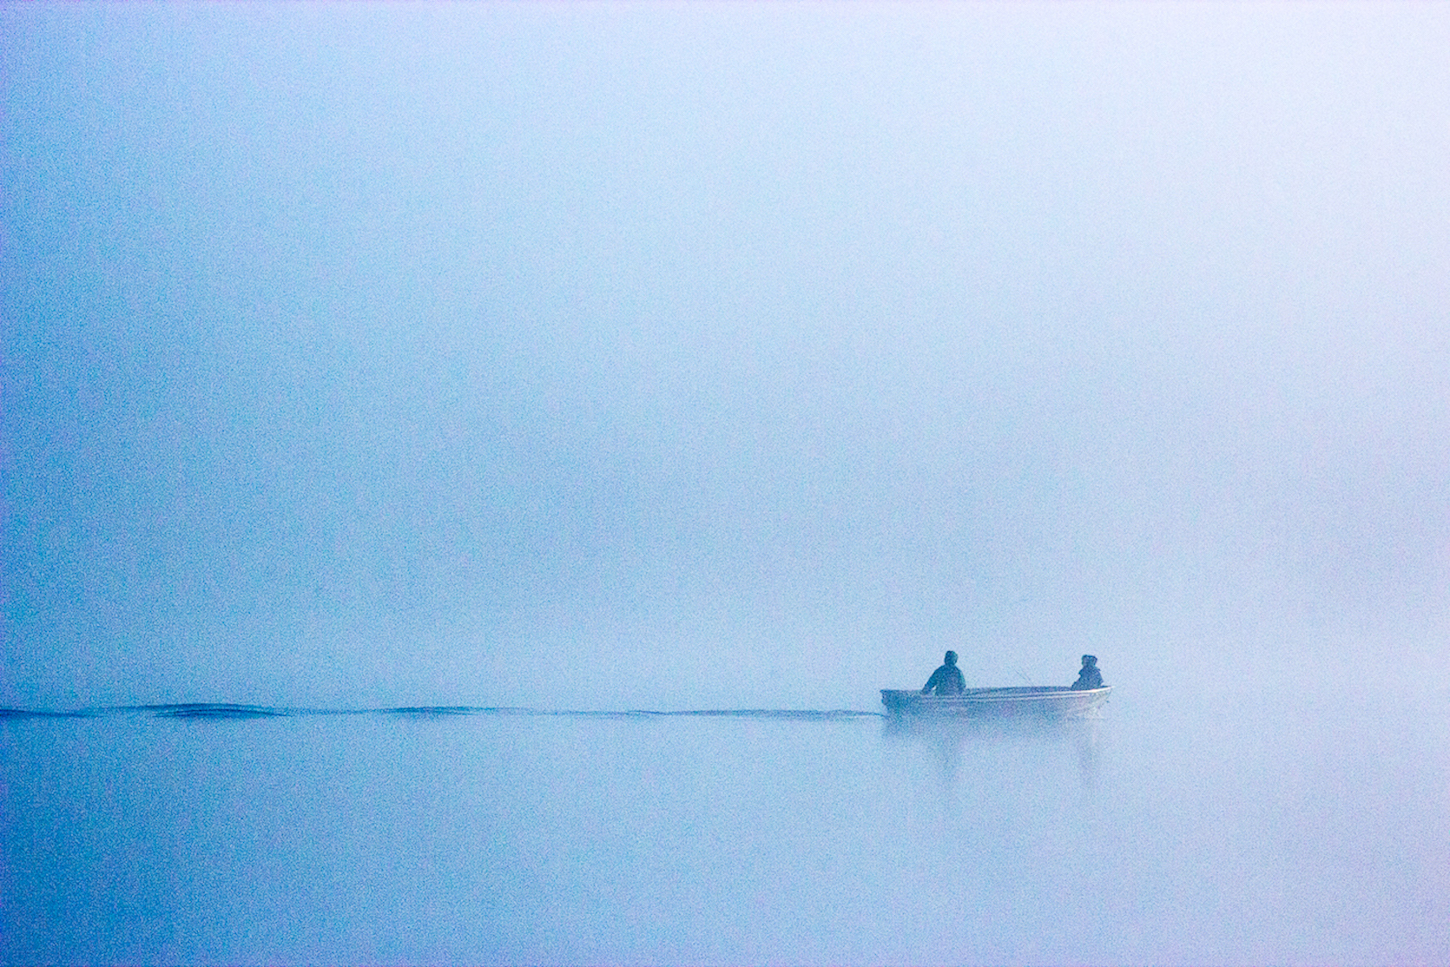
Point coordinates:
[(225, 711)]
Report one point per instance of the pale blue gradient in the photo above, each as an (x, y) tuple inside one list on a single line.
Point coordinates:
[(388, 351), (1297, 832), (609, 356)]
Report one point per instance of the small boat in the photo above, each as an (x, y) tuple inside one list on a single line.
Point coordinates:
[(1045, 701)]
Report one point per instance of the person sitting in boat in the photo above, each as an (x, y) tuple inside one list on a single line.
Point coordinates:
[(946, 680), (1089, 677)]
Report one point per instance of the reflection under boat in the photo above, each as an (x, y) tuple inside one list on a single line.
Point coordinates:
[(951, 737)]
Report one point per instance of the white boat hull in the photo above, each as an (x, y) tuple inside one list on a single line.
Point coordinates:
[(1049, 701)]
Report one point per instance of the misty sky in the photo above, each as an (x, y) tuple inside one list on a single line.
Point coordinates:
[(664, 355)]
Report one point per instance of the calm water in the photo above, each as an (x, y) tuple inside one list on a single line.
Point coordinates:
[(1312, 830)]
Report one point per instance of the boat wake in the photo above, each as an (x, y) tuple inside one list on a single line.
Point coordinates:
[(223, 711)]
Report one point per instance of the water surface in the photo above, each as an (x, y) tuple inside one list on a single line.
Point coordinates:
[(1286, 832)]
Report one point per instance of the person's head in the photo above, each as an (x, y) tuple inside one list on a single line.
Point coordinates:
[(951, 658), (1089, 661)]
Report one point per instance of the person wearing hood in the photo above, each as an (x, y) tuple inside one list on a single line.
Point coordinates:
[(946, 680), (1089, 677)]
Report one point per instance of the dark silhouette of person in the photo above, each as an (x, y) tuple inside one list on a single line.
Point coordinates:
[(946, 680), (1089, 677)]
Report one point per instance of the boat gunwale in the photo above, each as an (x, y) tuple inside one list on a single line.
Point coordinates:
[(1046, 699)]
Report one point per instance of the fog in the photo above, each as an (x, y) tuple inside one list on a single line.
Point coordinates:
[(659, 356)]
